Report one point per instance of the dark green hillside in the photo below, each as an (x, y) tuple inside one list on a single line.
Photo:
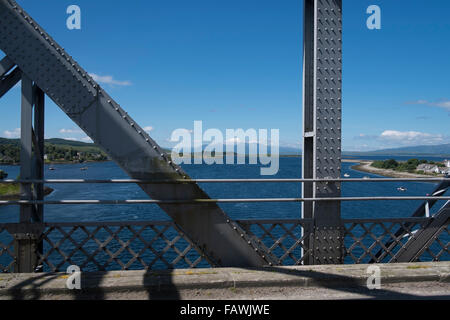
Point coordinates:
[(56, 150)]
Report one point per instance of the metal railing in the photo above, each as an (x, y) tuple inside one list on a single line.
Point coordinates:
[(162, 244)]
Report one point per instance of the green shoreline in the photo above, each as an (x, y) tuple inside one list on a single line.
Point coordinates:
[(12, 191), (365, 166)]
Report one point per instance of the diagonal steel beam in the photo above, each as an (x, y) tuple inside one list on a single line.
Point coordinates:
[(110, 127), (10, 81), (419, 212), (6, 64), (424, 237)]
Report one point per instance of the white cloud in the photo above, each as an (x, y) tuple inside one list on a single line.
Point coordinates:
[(411, 137), (109, 80), (148, 129), (445, 104), (417, 102), (358, 148), (74, 135), (70, 131), (395, 138), (14, 134)]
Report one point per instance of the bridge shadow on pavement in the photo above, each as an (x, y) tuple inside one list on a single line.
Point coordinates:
[(159, 285), (346, 284)]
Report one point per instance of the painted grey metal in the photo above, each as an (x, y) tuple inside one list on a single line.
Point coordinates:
[(83, 243), (438, 193), (139, 248), (25, 246), (26, 148), (286, 239), (9, 81), (38, 158), (109, 126), (6, 64), (365, 236), (39, 151), (322, 92), (103, 245), (422, 239), (26, 242)]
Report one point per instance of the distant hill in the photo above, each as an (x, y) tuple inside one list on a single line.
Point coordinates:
[(5, 141), (58, 141), (282, 150), (427, 150), (435, 150), (55, 141)]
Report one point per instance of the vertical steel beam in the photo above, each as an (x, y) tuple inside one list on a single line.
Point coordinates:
[(39, 147), (25, 244), (322, 100), (38, 192), (26, 148)]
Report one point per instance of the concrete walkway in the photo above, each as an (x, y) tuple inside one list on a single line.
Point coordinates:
[(398, 281)]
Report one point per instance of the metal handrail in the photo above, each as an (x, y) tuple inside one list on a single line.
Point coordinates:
[(175, 181), (205, 201), (241, 221)]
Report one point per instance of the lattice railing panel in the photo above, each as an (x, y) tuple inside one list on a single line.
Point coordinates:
[(378, 240), (118, 246), (6, 250), (286, 240), (162, 245), (439, 248)]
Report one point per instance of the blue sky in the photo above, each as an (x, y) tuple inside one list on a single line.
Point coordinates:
[(237, 64)]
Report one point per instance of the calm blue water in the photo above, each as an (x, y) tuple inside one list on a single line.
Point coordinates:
[(289, 168)]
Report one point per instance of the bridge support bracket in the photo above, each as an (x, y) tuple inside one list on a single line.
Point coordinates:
[(25, 249)]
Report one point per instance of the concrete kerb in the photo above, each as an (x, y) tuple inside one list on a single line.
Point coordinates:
[(325, 276)]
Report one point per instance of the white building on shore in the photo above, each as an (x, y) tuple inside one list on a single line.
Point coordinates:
[(447, 163), (428, 168)]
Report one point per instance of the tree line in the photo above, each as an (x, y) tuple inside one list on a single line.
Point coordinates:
[(408, 166), (10, 153)]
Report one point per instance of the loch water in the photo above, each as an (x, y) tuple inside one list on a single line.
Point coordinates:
[(290, 167)]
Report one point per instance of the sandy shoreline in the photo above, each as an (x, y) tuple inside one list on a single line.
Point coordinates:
[(365, 166)]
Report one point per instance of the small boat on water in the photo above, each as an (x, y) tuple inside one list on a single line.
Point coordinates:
[(83, 169), (346, 175), (401, 189), (51, 169)]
